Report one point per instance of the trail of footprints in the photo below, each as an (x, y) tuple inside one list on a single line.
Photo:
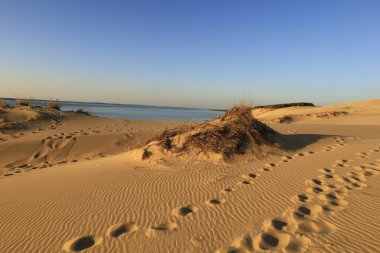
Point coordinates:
[(123, 229), (39, 160), (323, 196), (285, 223), (54, 125), (338, 142), (364, 155)]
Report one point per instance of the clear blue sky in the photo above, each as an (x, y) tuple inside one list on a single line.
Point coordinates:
[(191, 53)]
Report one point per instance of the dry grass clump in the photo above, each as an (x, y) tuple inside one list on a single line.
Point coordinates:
[(2, 103), (284, 119), (82, 111), (23, 102), (330, 114), (54, 105), (235, 132)]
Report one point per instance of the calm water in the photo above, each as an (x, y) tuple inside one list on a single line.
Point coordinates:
[(135, 111)]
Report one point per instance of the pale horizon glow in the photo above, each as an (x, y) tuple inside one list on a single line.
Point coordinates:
[(201, 54)]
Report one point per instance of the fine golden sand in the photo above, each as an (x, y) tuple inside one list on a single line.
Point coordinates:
[(69, 183)]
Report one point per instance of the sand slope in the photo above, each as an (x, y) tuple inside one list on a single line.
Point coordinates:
[(74, 137), (346, 113), (322, 196)]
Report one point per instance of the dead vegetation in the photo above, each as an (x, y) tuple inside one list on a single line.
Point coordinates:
[(2, 123), (82, 111), (236, 132), (54, 104), (2, 103), (327, 115), (23, 102)]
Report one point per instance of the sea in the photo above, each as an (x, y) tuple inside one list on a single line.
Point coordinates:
[(130, 111)]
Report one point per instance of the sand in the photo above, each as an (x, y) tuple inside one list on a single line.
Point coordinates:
[(84, 193)]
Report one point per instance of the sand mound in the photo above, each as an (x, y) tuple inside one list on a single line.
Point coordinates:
[(345, 113), (18, 118), (236, 133)]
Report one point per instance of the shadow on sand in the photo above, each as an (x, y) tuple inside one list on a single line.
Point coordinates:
[(291, 142)]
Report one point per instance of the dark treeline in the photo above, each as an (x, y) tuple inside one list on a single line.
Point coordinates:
[(276, 106)]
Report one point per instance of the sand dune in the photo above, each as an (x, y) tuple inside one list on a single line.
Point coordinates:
[(346, 114), (320, 195)]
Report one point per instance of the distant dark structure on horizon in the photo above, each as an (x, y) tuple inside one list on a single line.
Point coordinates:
[(276, 106)]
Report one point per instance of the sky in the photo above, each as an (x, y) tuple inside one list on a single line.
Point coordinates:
[(206, 53)]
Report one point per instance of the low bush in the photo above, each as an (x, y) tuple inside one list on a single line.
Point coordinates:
[(23, 102), (54, 105), (82, 111)]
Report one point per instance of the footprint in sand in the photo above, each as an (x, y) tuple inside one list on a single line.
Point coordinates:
[(250, 176), (309, 211), (215, 202), (342, 163), (228, 190), (185, 211), (161, 228), (246, 182), (286, 159), (268, 167), (361, 155), (269, 240), (367, 170), (327, 170), (81, 243), (329, 175), (352, 184), (317, 190), (315, 182), (327, 149), (121, 229), (302, 198), (284, 223), (288, 232)]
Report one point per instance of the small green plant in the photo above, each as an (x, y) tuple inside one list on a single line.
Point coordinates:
[(23, 102)]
